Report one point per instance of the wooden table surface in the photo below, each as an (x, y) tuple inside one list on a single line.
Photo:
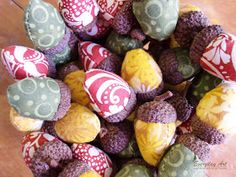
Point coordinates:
[(12, 32)]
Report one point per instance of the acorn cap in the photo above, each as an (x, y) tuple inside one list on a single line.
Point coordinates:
[(169, 67), (52, 71), (124, 19), (66, 69), (112, 64), (138, 34), (189, 24), (157, 112), (76, 169), (206, 132), (64, 101), (199, 147), (50, 158), (202, 40), (181, 105), (115, 138), (149, 96)]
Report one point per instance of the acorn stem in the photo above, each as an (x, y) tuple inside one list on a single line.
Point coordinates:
[(103, 132), (163, 96)]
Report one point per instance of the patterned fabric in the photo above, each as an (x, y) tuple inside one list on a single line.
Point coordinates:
[(22, 62), (80, 125), (109, 94), (133, 170), (43, 24), (153, 139), (75, 82), (93, 156), (218, 108), (155, 18), (121, 44), (37, 98), (179, 161), (141, 71), (219, 58)]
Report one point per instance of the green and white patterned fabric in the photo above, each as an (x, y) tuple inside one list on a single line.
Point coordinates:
[(36, 98), (133, 170), (180, 162), (43, 24), (157, 18), (185, 66), (120, 44)]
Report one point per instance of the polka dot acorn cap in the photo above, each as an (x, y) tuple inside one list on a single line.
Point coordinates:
[(94, 157), (155, 18), (37, 98), (79, 14), (43, 24), (22, 62)]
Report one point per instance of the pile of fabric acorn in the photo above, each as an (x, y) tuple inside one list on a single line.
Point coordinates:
[(121, 88)]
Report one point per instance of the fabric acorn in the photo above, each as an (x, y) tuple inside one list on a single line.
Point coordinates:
[(40, 98), (189, 24), (24, 124), (215, 50), (110, 96), (48, 32), (176, 66), (94, 157), (120, 44), (185, 158), (215, 114), (155, 18), (79, 15), (134, 170), (202, 83), (78, 169), (22, 62), (50, 159), (79, 125), (155, 128), (94, 56), (115, 138), (143, 74), (31, 142), (75, 80)]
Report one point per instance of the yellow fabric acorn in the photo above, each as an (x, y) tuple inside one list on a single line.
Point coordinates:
[(24, 124), (218, 108), (141, 72), (154, 129), (75, 82), (80, 125)]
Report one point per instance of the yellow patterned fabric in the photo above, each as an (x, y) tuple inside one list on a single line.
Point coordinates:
[(75, 82), (141, 71), (80, 125), (90, 174), (218, 108), (153, 139), (24, 124)]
